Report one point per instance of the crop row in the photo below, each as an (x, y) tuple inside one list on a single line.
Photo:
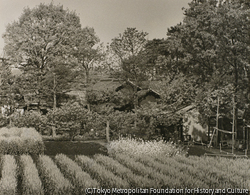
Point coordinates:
[(62, 175)]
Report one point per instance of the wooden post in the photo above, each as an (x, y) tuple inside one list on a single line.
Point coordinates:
[(217, 121), (107, 132)]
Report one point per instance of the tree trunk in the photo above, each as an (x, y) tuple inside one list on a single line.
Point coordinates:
[(54, 105), (135, 99), (54, 93), (86, 76), (107, 131)]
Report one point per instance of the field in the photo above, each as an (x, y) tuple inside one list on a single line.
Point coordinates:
[(125, 164), (25, 174)]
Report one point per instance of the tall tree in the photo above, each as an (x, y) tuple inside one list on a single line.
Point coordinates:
[(86, 50), (39, 41), (215, 39), (128, 47), (128, 44)]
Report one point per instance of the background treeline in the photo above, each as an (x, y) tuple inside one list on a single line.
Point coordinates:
[(204, 57)]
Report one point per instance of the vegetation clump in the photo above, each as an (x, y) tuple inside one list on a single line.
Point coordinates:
[(18, 141), (132, 146)]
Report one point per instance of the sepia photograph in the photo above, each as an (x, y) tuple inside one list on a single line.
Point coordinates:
[(124, 97)]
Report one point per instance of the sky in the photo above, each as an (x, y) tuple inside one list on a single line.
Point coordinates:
[(107, 17)]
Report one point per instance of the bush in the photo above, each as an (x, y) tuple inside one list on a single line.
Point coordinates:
[(79, 178), (20, 141), (141, 147), (31, 183), (31, 119), (70, 118), (8, 182), (53, 180)]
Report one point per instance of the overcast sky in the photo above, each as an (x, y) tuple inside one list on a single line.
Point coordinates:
[(108, 17)]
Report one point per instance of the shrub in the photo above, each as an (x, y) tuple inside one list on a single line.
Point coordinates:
[(31, 183), (8, 182), (106, 178), (80, 179), (140, 147), (20, 141), (53, 180), (70, 118), (32, 119)]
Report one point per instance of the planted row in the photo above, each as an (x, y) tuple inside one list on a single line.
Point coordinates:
[(54, 181), (8, 182), (80, 179), (171, 170), (125, 173), (106, 178), (162, 181), (31, 183)]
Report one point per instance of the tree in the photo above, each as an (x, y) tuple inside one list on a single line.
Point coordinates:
[(128, 44), (39, 42), (55, 82), (127, 47), (70, 118), (214, 38), (85, 50), (10, 93)]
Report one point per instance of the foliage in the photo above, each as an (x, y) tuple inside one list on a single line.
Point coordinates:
[(162, 168), (10, 92), (85, 50), (139, 147), (213, 41), (106, 178), (31, 183), (127, 47), (20, 141), (8, 182), (130, 43), (107, 97), (80, 179), (39, 43), (53, 180), (31, 119), (124, 172), (70, 118), (161, 180)]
